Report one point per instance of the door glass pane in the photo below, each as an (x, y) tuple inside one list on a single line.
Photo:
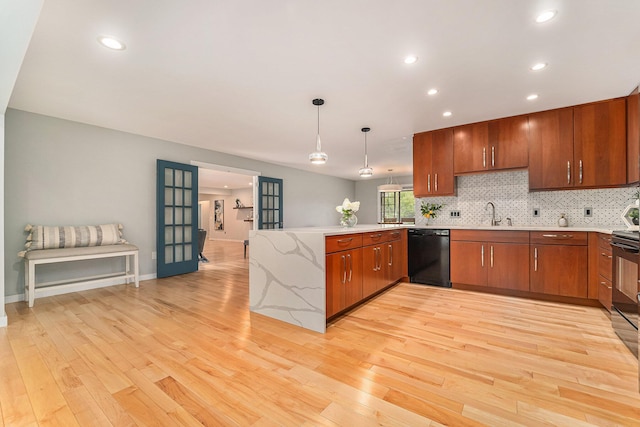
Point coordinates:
[(168, 177), (178, 178), (187, 252), (187, 197), (187, 234), (168, 196), (276, 190), (188, 216), (179, 256), (270, 188), (178, 234), (265, 201), (276, 217), (168, 215), (187, 179), (178, 194), (168, 234), (265, 190), (178, 216), (270, 203), (168, 254)]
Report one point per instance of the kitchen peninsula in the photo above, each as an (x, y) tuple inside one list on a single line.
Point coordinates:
[(291, 271)]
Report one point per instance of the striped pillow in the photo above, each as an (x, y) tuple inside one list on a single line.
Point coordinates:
[(45, 237)]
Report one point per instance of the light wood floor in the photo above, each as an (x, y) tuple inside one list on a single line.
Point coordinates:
[(186, 351)]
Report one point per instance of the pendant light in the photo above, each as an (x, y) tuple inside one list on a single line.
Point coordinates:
[(366, 171), (318, 157), (390, 186)]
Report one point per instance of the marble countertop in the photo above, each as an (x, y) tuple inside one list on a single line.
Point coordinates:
[(367, 228)]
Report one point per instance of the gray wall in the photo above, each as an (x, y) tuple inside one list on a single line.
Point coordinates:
[(367, 195), (59, 172)]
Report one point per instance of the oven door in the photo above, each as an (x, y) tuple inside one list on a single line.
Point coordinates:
[(624, 315)]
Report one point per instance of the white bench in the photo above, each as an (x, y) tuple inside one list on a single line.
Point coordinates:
[(50, 256)]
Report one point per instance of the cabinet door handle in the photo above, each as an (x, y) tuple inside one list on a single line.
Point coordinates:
[(638, 296), (350, 267), (580, 174), (379, 259), (491, 255), (345, 240), (568, 172), (344, 270), (429, 183), (390, 255), (484, 157), (493, 156), (482, 256), (535, 259), (436, 183), (606, 256)]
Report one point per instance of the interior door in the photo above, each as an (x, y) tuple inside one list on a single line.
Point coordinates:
[(177, 211), (269, 203)]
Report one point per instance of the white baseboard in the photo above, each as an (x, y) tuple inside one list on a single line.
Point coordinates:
[(58, 291)]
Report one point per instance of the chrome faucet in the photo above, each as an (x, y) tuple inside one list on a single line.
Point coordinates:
[(494, 221)]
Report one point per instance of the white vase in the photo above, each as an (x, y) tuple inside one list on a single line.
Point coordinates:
[(349, 221)]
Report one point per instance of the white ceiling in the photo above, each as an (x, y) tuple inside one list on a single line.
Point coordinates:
[(217, 179), (239, 76)]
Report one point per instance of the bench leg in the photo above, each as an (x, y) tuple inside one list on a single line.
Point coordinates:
[(26, 280), (31, 283), (127, 268), (136, 270)]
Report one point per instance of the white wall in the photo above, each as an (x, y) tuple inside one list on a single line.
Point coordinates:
[(60, 172), (3, 315), (367, 195)]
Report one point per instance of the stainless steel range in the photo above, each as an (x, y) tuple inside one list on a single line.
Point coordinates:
[(625, 291)]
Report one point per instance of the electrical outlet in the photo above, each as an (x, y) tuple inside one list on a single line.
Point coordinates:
[(154, 255), (588, 212), (536, 211), (454, 214)]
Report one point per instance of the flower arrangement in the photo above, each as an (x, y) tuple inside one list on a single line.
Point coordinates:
[(348, 210), (430, 210)]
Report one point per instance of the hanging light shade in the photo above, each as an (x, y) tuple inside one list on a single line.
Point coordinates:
[(318, 157), (366, 171), (389, 186)]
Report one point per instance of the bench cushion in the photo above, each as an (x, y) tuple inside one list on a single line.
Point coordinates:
[(69, 252)]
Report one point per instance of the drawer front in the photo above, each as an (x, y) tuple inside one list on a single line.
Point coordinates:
[(393, 235), (604, 241), (498, 236), (576, 238), (604, 263), (343, 242), (604, 292), (374, 238)]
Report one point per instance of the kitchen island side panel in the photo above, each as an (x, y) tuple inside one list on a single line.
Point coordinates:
[(287, 277)]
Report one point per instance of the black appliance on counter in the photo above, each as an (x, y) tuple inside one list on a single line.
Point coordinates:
[(625, 290), (429, 257)]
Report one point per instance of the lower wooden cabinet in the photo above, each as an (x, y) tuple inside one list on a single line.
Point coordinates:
[(495, 259), (600, 268), (374, 269), (344, 280), (559, 264)]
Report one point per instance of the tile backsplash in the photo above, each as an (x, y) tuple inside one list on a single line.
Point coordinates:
[(509, 191)]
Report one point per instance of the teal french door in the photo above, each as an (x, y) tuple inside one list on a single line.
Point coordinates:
[(177, 218), (269, 203)]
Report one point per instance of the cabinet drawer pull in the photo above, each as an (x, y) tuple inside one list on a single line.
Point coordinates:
[(558, 236), (375, 236), (395, 233), (606, 256), (345, 240), (568, 172)]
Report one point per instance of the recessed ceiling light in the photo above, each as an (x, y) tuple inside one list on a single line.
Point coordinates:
[(539, 66), (251, 183), (532, 96), (545, 16), (447, 114), (111, 43), (226, 186), (432, 91), (411, 59)]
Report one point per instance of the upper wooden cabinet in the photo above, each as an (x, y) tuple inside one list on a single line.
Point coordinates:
[(433, 163), (633, 137), (578, 147), (494, 145)]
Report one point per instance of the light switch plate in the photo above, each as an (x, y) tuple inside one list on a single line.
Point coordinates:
[(454, 214)]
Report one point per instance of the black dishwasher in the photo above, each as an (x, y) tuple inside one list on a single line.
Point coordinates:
[(429, 256)]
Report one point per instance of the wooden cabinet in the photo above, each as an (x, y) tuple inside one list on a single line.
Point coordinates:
[(494, 145), (496, 259), (559, 264), (344, 280), (600, 268), (578, 147), (433, 163), (359, 265), (633, 137)]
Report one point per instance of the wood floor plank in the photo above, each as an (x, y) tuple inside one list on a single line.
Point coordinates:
[(185, 350)]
